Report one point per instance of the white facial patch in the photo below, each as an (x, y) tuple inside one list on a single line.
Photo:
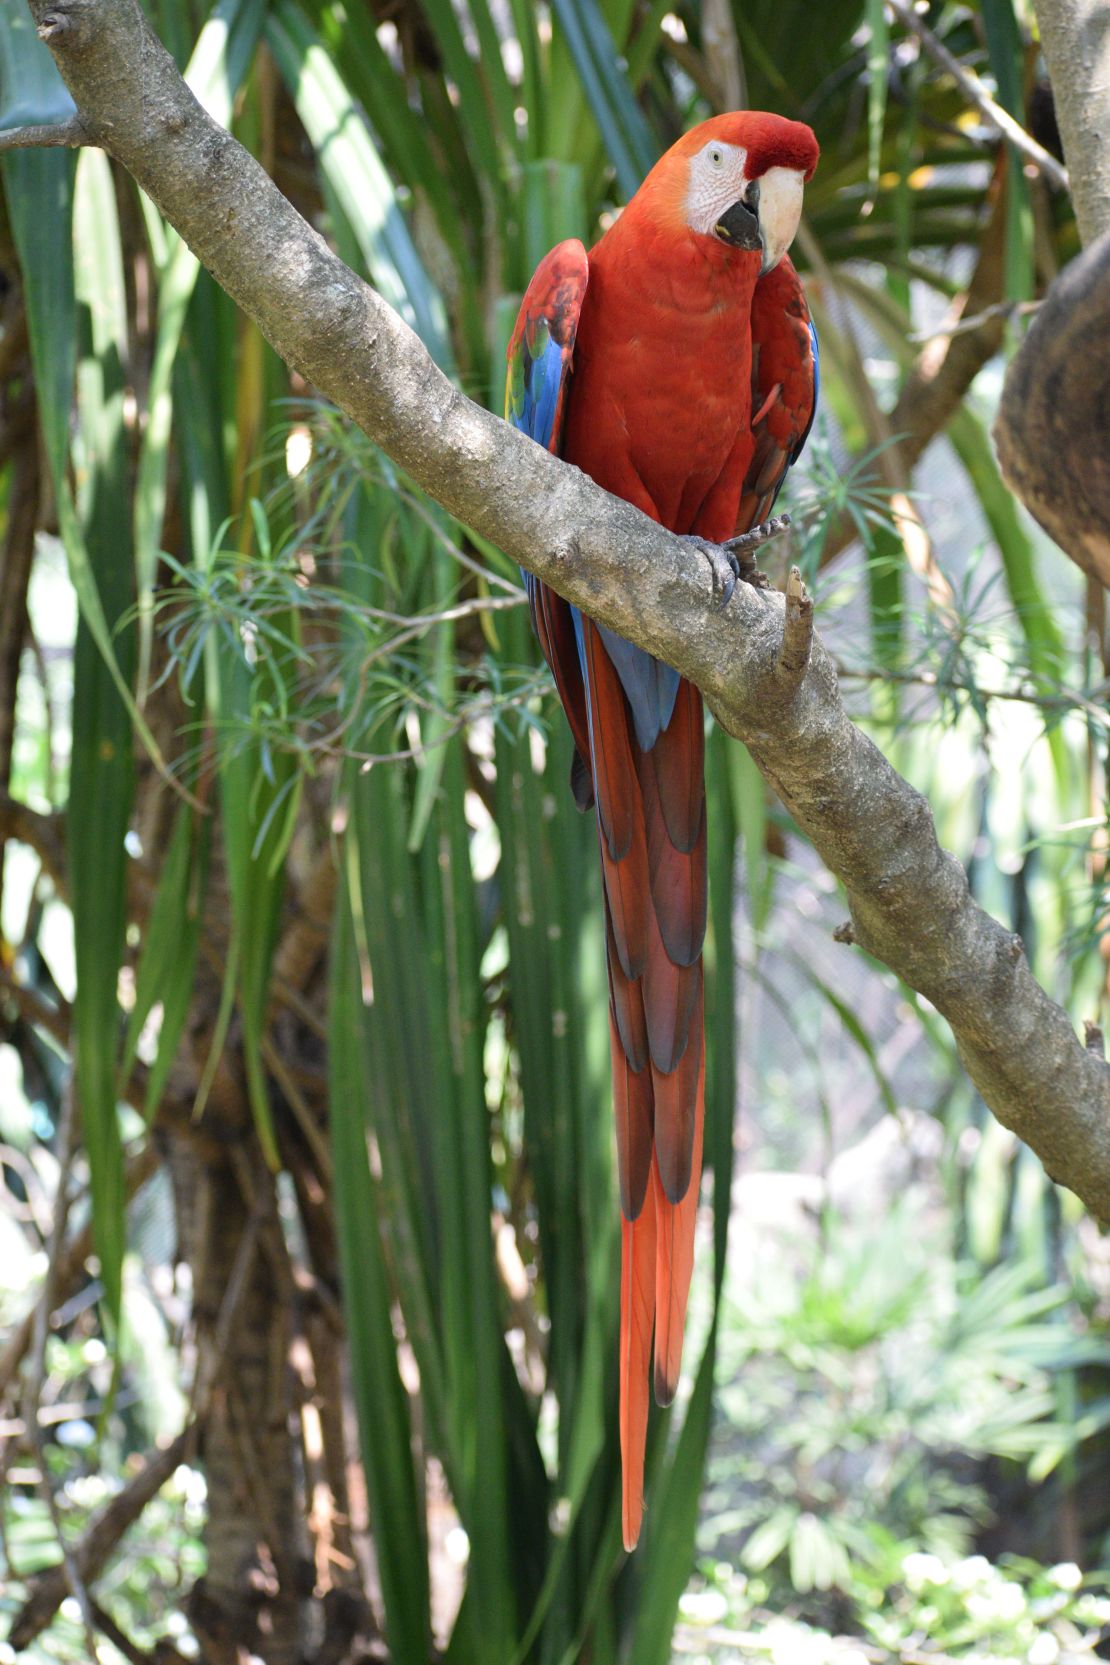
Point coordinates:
[(716, 181), (780, 209)]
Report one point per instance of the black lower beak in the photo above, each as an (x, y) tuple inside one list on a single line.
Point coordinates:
[(739, 228)]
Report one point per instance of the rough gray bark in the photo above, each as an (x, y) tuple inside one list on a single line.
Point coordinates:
[(909, 900), (1054, 418), (1075, 39), (1055, 410)]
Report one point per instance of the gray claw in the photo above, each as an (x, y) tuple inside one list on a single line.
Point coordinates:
[(733, 560), (724, 567)]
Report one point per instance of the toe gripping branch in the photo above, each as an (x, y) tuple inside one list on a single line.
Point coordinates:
[(734, 560)]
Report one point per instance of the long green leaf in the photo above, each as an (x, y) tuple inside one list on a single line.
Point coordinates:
[(351, 38), (473, 1335), (259, 786), (385, 1427), (626, 135), (101, 771), (1006, 52), (349, 160), (39, 189), (481, 86), (169, 957)]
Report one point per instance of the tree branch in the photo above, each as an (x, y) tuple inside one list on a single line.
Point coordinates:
[(1052, 420), (1075, 39), (69, 134), (1054, 397), (909, 901)]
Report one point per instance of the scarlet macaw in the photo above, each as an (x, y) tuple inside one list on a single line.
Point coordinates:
[(676, 364)]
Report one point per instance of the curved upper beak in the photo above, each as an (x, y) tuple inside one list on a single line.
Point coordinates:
[(780, 209), (739, 225)]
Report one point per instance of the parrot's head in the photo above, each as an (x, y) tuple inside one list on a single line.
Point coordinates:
[(739, 179)]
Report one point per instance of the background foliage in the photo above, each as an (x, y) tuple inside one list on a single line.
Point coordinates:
[(304, 1061)]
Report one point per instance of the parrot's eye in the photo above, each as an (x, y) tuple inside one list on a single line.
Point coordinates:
[(716, 156)]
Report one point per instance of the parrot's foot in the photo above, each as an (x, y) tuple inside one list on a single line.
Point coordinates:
[(739, 549), (734, 560), (725, 569)]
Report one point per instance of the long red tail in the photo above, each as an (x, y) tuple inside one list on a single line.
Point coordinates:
[(651, 825)]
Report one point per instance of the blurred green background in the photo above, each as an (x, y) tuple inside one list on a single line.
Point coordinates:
[(309, 1221)]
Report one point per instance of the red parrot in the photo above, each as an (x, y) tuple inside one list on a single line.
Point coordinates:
[(676, 365)]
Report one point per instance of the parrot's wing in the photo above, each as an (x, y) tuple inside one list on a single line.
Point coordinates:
[(541, 349), (784, 388), (541, 357)]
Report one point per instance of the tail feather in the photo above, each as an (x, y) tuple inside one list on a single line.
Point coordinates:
[(678, 883), (638, 1261), (627, 996), (678, 1100), (632, 1112), (620, 814), (678, 759), (670, 992), (651, 820), (618, 798), (674, 1262), (626, 885)]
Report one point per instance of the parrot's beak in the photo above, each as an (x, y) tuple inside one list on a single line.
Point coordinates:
[(738, 226), (780, 208)]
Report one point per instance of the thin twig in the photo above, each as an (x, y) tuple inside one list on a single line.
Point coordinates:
[(291, 997), (464, 560), (118, 1638), (406, 754), (68, 134), (420, 628), (139, 1169), (970, 84), (1070, 700), (964, 326)]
